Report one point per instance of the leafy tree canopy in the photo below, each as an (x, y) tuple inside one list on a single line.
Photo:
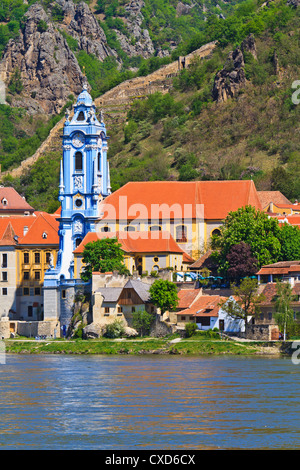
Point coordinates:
[(284, 313), (163, 294), (142, 321), (103, 255), (241, 262), (252, 227), (245, 301)]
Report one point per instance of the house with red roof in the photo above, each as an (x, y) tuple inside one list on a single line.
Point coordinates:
[(144, 252), (286, 271), (13, 204), (28, 244), (193, 307)]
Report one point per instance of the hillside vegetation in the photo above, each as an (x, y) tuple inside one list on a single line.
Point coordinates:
[(185, 134)]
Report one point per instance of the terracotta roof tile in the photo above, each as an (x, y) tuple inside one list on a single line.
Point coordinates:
[(217, 197), (204, 306), (10, 200), (187, 297), (44, 231), (282, 267), (200, 261), (270, 292), (266, 197), (30, 229), (136, 242), (8, 236)]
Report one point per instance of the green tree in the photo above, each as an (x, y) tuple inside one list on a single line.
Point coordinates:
[(142, 321), (284, 316), (103, 255), (245, 301), (290, 242), (190, 329), (163, 294), (250, 226)]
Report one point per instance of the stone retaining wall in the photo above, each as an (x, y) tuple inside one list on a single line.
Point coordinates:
[(50, 329)]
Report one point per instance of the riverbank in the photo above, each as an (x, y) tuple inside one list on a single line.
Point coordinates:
[(163, 346)]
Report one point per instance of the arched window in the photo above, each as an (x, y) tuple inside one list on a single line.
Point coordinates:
[(181, 234), (78, 161), (140, 270), (155, 228), (216, 231), (129, 228), (81, 116), (78, 241)]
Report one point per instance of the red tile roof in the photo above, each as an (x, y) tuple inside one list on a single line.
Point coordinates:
[(270, 293), (292, 219), (14, 202), (201, 261), (136, 242), (217, 197), (266, 197), (187, 297), (204, 306), (289, 206), (30, 229), (43, 231), (282, 267), (8, 237)]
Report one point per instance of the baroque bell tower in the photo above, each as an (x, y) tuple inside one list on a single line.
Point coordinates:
[(84, 179), (84, 183)]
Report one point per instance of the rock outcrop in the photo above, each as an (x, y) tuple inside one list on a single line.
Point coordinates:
[(231, 78), (142, 44), (48, 69), (80, 23), (248, 45)]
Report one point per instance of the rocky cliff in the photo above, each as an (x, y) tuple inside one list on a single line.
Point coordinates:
[(80, 23), (232, 77), (142, 44), (48, 69), (43, 60)]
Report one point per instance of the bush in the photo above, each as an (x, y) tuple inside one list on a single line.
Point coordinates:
[(142, 322), (190, 329), (115, 329)]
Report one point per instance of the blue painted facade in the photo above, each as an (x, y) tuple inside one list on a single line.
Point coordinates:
[(84, 179), (84, 182)]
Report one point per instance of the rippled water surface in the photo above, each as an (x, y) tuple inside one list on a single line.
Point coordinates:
[(75, 402)]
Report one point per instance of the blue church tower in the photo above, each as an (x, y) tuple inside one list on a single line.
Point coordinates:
[(84, 182), (84, 178)]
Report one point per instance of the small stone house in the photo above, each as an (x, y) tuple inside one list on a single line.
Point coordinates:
[(119, 297)]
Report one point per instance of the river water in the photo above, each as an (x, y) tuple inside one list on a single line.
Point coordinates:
[(148, 402)]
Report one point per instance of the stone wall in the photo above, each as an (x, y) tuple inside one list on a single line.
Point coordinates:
[(161, 328), (262, 332), (32, 329), (4, 329)]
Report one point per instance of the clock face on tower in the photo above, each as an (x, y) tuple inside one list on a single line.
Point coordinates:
[(78, 140)]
